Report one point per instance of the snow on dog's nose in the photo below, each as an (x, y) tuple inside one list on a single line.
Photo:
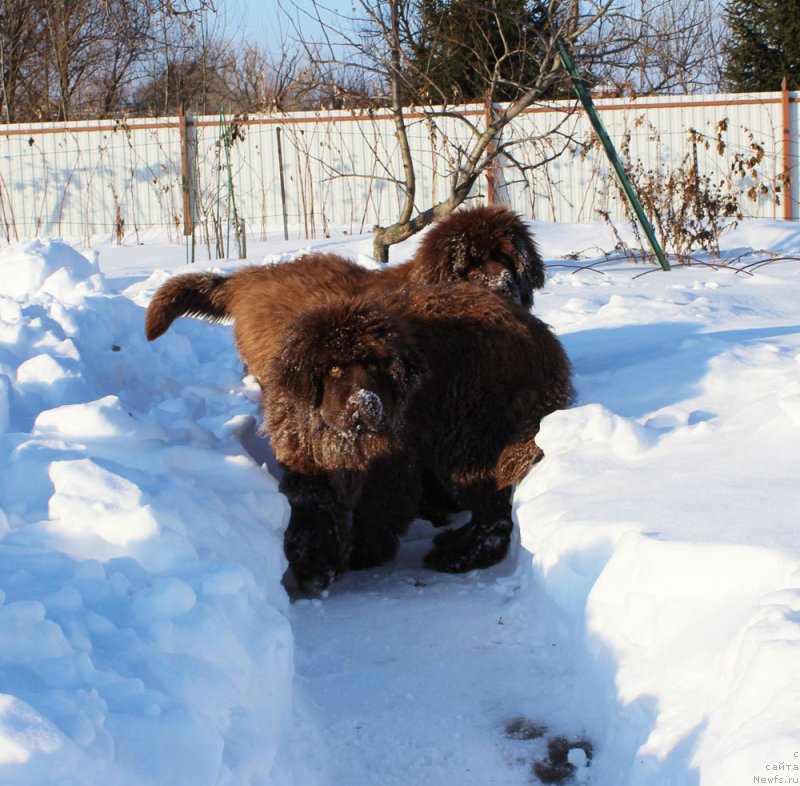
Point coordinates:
[(497, 278), (366, 411), (505, 284)]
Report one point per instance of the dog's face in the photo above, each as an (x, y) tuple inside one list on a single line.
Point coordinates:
[(501, 256), (498, 268), (488, 246), (357, 396), (350, 369)]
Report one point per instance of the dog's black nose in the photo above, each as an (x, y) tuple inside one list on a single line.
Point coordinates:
[(357, 425), (366, 411)]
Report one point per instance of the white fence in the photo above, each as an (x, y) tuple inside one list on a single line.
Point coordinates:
[(339, 169)]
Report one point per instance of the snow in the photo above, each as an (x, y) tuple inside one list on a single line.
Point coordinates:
[(644, 630), (143, 637)]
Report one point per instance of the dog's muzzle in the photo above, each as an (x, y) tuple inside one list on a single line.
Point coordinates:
[(366, 411), (505, 285), (502, 283)]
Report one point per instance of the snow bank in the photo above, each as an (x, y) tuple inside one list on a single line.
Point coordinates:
[(663, 523), (143, 636)]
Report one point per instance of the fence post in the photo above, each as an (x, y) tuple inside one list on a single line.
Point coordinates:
[(186, 183), (283, 185), (787, 151)]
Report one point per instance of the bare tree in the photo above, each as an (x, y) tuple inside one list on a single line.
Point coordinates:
[(194, 71), (77, 44), (183, 54), (264, 82), (669, 46), (260, 82), (69, 59), (65, 59), (385, 44), (20, 42), (129, 27)]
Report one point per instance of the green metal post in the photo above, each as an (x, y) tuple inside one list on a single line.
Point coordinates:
[(611, 152)]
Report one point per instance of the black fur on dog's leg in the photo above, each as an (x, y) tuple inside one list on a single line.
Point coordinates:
[(315, 548), (481, 542), (317, 540), (473, 545), (436, 506), (387, 506), (373, 546)]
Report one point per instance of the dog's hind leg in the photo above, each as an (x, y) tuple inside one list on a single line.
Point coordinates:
[(480, 543), (519, 456)]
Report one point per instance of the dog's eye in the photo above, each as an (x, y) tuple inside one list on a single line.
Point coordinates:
[(335, 372)]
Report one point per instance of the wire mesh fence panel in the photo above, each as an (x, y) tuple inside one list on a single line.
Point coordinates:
[(89, 178), (341, 172)]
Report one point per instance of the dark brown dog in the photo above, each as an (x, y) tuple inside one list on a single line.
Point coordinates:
[(265, 301), (369, 396), (488, 246)]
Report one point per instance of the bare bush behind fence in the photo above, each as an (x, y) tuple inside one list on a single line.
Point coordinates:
[(128, 179)]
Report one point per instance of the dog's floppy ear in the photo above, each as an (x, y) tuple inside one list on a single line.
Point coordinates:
[(298, 366), (407, 366), (459, 253), (528, 264)]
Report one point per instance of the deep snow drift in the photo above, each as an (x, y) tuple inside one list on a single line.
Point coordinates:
[(143, 636), (650, 615)]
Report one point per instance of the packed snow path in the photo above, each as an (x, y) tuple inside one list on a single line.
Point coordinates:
[(422, 679)]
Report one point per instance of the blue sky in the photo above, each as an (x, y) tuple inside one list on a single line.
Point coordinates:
[(264, 22)]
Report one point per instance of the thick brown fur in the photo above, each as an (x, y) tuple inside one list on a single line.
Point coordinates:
[(371, 397), (341, 482), (260, 299), (485, 245), (203, 295)]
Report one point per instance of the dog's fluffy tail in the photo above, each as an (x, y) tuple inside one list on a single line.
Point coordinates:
[(204, 295)]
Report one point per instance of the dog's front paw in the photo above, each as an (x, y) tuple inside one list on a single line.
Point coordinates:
[(475, 545), (317, 547)]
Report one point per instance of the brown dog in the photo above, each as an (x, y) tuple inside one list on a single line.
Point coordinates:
[(365, 454), (262, 300), (487, 246), (369, 396)]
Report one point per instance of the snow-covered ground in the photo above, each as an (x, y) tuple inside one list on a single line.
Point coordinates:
[(645, 629)]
